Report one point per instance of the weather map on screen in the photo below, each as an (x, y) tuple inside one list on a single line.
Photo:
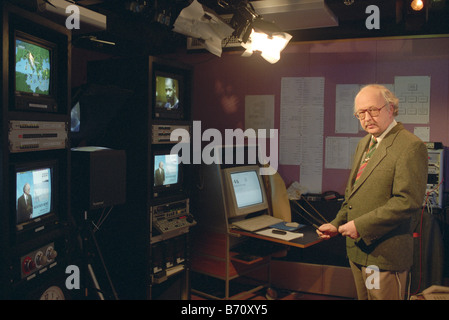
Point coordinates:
[(32, 68)]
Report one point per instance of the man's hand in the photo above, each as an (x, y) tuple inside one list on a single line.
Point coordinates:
[(326, 231), (349, 230)]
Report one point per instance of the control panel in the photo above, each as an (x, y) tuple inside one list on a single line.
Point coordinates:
[(167, 258), (37, 135), (435, 177), (161, 133), (172, 216), (38, 261)]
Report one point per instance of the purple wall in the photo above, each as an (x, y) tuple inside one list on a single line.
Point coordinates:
[(221, 84)]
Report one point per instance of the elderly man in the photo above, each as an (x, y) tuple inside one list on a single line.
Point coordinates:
[(383, 198)]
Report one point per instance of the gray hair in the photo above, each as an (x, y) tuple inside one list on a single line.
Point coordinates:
[(389, 96)]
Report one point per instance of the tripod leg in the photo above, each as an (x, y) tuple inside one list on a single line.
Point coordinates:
[(94, 280), (103, 264)]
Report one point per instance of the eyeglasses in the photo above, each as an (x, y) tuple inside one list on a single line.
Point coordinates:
[(373, 112)]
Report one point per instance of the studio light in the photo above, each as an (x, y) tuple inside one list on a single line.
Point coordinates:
[(266, 39), (258, 35), (417, 5)]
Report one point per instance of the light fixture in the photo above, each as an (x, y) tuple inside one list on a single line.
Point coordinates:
[(264, 38), (258, 35), (417, 5)]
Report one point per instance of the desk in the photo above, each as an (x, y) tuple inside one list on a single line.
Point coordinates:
[(309, 239), (213, 256)]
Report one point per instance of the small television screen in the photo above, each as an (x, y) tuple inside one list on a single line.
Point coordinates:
[(166, 170), (75, 118), (33, 67), (34, 193), (33, 73), (168, 178), (167, 92), (171, 91)]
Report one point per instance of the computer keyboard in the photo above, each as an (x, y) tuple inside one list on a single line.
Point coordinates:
[(256, 223)]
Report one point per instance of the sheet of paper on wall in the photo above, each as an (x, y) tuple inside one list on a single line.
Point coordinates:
[(339, 152), (301, 119), (423, 133), (414, 98), (290, 122), (345, 122), (259, 113)]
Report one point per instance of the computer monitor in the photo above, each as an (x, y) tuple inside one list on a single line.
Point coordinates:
[(244, 190), (35, 194), (96, 112)]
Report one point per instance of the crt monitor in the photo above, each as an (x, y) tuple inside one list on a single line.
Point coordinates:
[(167, 172), (35, 193), (244, 190), (171, 92), (34, 73)]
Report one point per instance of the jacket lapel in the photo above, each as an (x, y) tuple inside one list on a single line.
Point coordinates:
[(377, 157)]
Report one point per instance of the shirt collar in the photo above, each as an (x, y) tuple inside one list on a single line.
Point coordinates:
[(391, 126)]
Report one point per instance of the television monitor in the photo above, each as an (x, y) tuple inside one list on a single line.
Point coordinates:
[(75, 118), (34, 73), (167, 173), (244, 190), (171, 92), (35, 194), (98, 112)]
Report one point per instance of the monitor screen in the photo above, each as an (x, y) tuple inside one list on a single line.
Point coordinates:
[(167, 92), (171, 91), (166, 170), (35, 191), (244, 190), (32, 67), (75, 118)]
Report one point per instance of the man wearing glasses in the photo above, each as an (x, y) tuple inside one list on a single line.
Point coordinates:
[(383, 198)]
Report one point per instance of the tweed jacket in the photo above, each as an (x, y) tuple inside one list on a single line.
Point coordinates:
[(386, 202)]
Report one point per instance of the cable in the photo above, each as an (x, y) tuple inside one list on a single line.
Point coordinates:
[(324, 219), (420, 235), (309, 214), (308, 220)]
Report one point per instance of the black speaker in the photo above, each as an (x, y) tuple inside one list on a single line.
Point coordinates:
[(98, 177)]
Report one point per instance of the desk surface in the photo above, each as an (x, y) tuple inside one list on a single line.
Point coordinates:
[(310, 237)]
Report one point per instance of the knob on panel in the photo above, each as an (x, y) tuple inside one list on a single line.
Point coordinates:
[(40, 259), (51, 253), (28, 265)]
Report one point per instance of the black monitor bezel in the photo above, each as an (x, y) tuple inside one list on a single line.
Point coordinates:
[(165, 190), (21, 98), (38, 225), (182, 76)]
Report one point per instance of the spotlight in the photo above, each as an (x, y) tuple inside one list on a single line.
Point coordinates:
[(417, 5), (267, 39), (259, 35)]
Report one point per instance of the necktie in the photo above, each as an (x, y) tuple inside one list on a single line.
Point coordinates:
[(368, 155)]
